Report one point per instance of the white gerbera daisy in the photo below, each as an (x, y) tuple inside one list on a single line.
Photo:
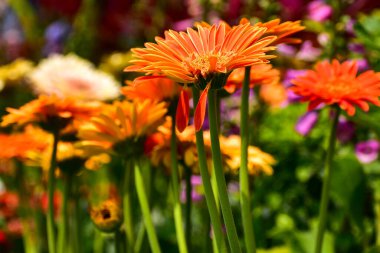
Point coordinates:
[(72, 76)]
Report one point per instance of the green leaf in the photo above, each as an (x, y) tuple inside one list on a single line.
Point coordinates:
[(348, 187), (304, 241), (375, 249), (281, 249)]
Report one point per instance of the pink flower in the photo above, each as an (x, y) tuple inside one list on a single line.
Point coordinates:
[(308, 52), (367, 151), (306, 122), (319, 11)]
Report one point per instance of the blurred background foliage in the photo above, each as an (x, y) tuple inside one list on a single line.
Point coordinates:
[(285, 205)]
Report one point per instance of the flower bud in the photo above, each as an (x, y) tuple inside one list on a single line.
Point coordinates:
[(107, 216)]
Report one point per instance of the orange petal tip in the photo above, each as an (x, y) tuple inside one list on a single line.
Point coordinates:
[(182, 113), (200, 111)]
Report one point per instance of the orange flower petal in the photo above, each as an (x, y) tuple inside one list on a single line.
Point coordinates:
[(182, 114), (336, 83), (143, 78), (200, 111)]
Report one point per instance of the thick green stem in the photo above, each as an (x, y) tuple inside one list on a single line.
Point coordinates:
[(51, 187), (98, 242), (127, 207), (249, 237), (326, 184), (148, 177), (219, 174), (215, 191), (207, 227), (62, 240), (141, 194), (175, 189), (210, 199), (189, 201)]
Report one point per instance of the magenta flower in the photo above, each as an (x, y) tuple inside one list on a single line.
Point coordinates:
[(356, 48), (345, 130), (367, 151), (319, 11), (290, 74), (349, 27), (286, 50), (196, 192), (363, 65), (308, 52), (182, 25), (306, 122)]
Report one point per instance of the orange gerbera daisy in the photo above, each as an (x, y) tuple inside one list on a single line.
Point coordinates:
[(50, 112), (18, 145), (273, 94), (121, 126), (158, 147), (258, 161), (337, 83), (274, 27), (204, 57), (260, 74), (281, 30)]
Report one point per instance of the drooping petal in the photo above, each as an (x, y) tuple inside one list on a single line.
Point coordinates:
[(200, 111), (182, 114)]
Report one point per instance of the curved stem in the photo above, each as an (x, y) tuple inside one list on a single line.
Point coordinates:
[(249, 237), (210, 199), (219, 174), (175, 188), (326, 184), (127, 207), (51, 186), (141, 194)]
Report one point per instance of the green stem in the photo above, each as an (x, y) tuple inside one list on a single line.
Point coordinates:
[(219, 174), (207, 227), (245, 204), (98, 242), (216, 195), (76, 232), (148, 177), (140, 239), (175, 188), (326, 184), (62, 240), (210, 199), (377, 215), (27, 235), (119, 246), (189, 189), (141, 194), (51, 186), (127, 207)]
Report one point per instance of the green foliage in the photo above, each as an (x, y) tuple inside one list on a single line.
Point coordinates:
[(368, 33)]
